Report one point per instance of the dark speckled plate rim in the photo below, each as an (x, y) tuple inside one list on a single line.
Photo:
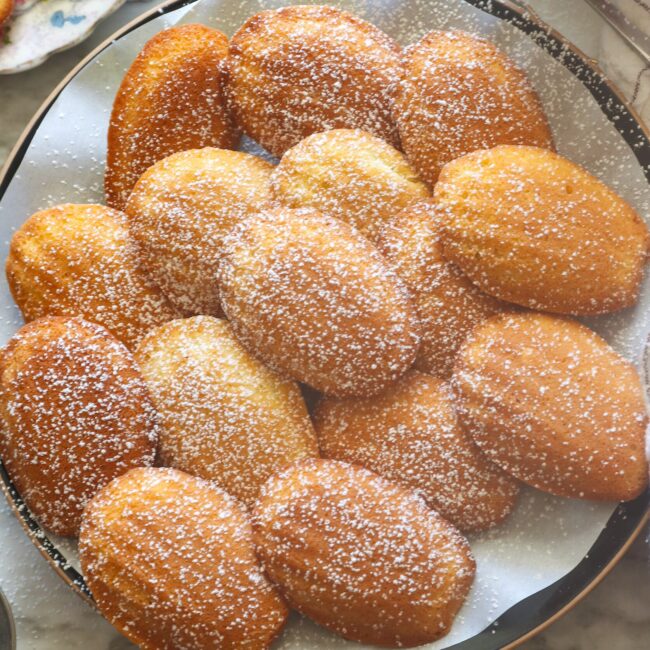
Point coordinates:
[(531, 615)]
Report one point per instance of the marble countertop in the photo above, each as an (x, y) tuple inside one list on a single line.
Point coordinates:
[(49, 616)]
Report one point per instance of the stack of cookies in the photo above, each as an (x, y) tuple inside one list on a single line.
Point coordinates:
[(252, 387)]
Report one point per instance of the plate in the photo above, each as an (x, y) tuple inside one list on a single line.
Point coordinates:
[(528, 616), (38, 29)]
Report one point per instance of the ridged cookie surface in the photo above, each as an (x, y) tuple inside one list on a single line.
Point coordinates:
[(171, 99), (76, 413), (170, 562), (314, 299), (181, 209), (80, 260), (409, 434), (360, 555), (459, 93), (300, 70), (529, 226), (448, 305), (551, 403), (224, 416), (348, 174)]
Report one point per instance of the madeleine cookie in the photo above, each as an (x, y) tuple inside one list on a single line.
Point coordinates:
[(551, 403), (409, 434), (170, 562), (529, 226), (224, 416), (459, 93), (80, 260), (350, 175), (304, 69), (171, 99), (361, 556), (311, 297), (76, 414), (181, 209), (6, 7), (448, 305)]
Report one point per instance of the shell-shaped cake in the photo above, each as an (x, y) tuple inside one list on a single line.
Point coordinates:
[(348, 174), (172, 98), (300, 70), (360, 555), (224, 416), (314, 299), (409, 434), (529, 226), (170, 562), (448, 305), (80, 260), (554, 405), (181, 209), (459, 93), (76, 413)]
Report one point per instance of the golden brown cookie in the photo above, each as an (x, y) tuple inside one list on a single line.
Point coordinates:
[(171, 99), (6, 7), (459, 93), (314, 299), (181, 209), (361, 556), (409, 434), (304, 69), (170, 562), (223, 415), (448, 305), (529, 226), (550, 402), (80, 260), (76, 413), (348, 174)]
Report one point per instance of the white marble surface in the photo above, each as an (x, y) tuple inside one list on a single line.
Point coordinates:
[(615, 616)]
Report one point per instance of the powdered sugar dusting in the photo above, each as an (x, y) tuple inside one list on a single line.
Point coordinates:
[(80, 260), (550, 402), (313, 298), (224, 416), (76, 413), (170, 560), (304, 69), (361, 555), (350, 175), (180, 211), (410, 435)]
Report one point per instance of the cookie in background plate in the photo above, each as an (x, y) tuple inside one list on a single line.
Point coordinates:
[(172, 98), (300, 70), (459, 93), (224, 416), (76, 413), (448, 305), (170, 562), (409, 434), (529, 226), (348, 174), (80, 260), (6, 7), (551, 403), (310, 296), (181, 209), (361, 556)]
